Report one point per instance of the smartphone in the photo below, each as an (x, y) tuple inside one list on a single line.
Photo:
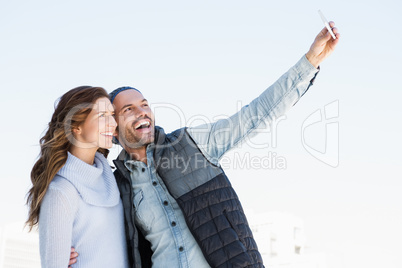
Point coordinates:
[(326, 24)]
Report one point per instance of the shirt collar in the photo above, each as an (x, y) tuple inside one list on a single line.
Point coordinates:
[(131, 164)]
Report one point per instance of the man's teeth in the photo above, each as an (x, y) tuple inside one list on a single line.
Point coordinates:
[(144, 123)]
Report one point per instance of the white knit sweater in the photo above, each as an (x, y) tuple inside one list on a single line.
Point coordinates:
[(82, 209)]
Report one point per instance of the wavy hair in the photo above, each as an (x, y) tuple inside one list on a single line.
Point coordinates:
[(71, 110)]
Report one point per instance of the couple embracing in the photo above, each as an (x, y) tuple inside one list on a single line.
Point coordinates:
[(152, 211)]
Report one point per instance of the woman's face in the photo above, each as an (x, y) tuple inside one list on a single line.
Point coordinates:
[(99, 127)]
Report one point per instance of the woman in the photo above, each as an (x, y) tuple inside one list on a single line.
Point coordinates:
[(74, 197)]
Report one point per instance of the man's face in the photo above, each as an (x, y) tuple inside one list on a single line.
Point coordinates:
[(135, 119)]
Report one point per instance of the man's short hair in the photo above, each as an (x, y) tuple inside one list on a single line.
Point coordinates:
[(113, 94)]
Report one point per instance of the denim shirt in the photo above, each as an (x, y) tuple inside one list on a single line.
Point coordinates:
[(158, 215), (160, 219)]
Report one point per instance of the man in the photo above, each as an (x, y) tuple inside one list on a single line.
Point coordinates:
[(180, 209)]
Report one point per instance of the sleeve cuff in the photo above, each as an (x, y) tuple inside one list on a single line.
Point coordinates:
[(306, 69)]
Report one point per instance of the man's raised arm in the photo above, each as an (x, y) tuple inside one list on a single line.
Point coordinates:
[(216, 138)]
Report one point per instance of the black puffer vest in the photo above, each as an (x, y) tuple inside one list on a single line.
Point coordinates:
[(210, 205)]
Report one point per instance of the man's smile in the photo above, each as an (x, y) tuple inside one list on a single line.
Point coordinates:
[(143, 125)]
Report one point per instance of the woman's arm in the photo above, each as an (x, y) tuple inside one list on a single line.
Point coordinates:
[(55, 229)]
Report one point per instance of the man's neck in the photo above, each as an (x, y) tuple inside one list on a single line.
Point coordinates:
[(138, 154)]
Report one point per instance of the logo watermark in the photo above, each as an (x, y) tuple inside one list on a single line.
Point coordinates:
[(223, 132), (327, 119)]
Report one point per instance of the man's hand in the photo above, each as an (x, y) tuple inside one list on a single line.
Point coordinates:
[(73, 257), (323, 45)]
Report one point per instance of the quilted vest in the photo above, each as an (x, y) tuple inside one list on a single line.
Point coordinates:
[(210, 205)]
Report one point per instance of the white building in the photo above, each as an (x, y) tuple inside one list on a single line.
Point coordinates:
[(18, 248), (281, 241)]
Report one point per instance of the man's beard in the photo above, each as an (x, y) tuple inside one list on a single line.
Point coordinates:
[(135, 141)]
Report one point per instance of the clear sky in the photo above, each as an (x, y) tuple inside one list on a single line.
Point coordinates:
[(201, 59)]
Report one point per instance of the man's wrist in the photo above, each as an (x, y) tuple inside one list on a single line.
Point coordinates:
[(313, 60)]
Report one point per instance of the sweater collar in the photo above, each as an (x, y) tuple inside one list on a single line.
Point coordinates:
[(95, 183)]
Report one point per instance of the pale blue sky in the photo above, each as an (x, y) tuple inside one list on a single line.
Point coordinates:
[(205, 57)]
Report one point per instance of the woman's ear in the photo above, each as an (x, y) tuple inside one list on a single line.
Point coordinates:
[(76, 130)]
